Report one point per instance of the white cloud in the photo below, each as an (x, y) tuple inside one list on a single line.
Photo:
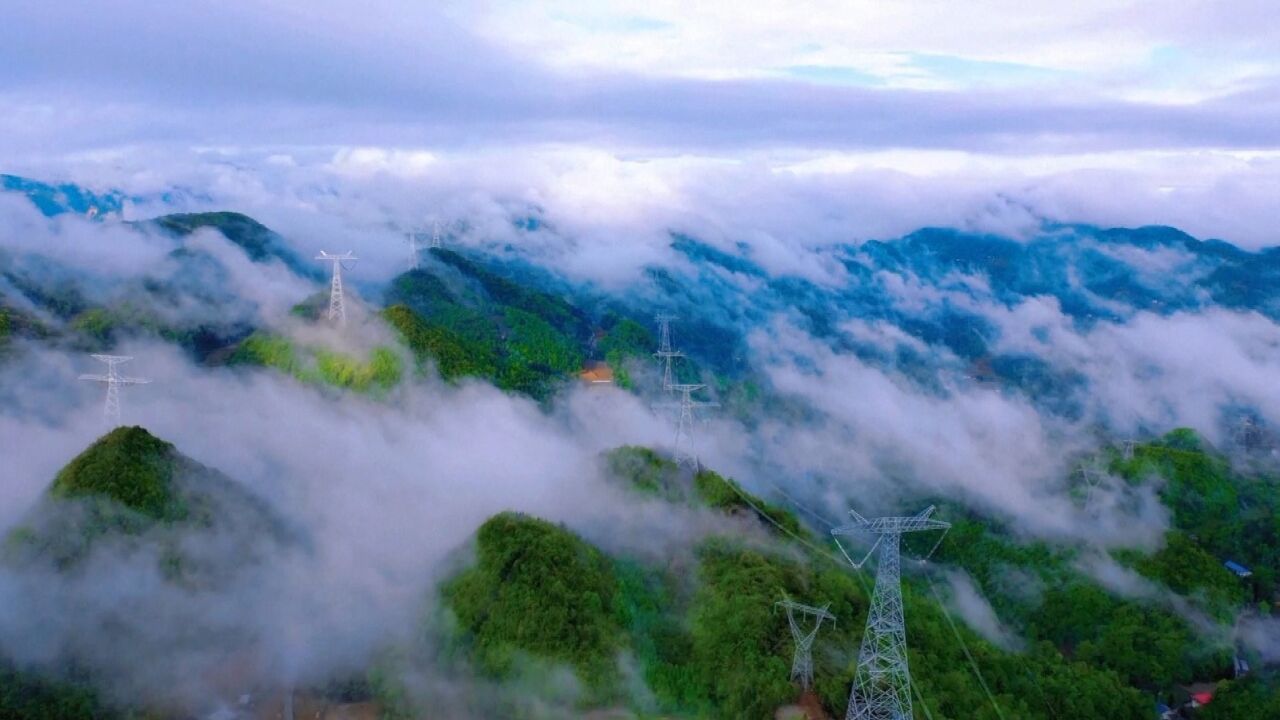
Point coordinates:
[(1129, 49)]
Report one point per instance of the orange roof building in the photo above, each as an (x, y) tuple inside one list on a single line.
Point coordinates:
[(597, 373)]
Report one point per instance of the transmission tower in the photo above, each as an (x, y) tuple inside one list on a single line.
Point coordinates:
[(882, 682), (1091, 472), (1127, 447), (435, 235), (337, 308), (665, 354), (411, 237), (1247, 434), (113, 380), (684, 449), (802, 664)]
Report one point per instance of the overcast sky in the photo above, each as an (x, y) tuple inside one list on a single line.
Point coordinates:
[(1184, 94)]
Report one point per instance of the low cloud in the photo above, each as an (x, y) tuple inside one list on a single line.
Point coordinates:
[(384, 494), (967, 601)]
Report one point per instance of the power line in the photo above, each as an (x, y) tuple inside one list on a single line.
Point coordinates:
[(965, 647)]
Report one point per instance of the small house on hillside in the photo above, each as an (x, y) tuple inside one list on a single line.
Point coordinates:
[(1237, 568), (597, 373), (1201, 694)]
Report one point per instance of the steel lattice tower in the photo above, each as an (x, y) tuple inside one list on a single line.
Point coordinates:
[(665, 354), (1091, 472), (802, 663), (337, 308), (882, 683), (411, 237), (435, 235), (113, 380), (1247, 434), (685, 453)]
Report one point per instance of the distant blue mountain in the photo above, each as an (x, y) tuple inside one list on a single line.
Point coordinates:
[(1092, 272), (703, 253), (53, 200), (259, 242), (723, 293)]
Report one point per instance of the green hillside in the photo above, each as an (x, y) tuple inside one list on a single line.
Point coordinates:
[(487, 327), (381, 370), (129, 466), (706, 637), (538, 589), (27, 696), (258, 241), (130, 485)]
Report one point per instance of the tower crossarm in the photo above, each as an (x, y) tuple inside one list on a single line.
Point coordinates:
[(892, 525), (818, 612), (689, 403), (119, 379), (669, 405)]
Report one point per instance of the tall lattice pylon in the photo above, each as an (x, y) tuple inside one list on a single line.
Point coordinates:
[(882, 683), (665, 354), (337, 306), (802, 663), (1247, 434), (1091, 472), (113, 380), (436, 242), (685, 452), (411, 238)]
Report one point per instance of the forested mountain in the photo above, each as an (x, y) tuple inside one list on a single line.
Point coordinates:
[(548, 614), (186, 536)]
